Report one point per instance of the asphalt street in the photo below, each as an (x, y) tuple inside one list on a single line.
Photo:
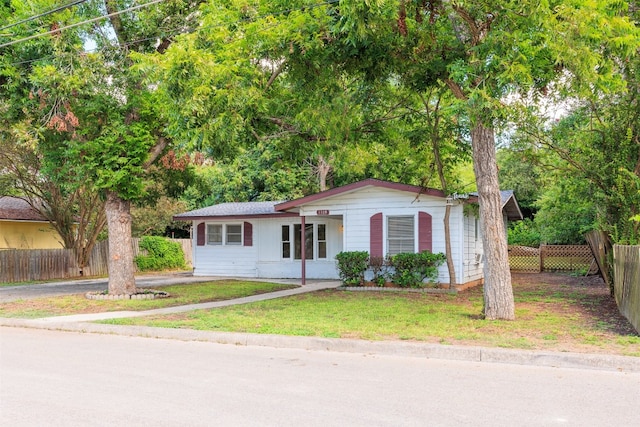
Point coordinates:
[(54, 378)]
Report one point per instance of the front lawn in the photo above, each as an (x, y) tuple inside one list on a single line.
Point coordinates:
[(180, 295), (562, 315)]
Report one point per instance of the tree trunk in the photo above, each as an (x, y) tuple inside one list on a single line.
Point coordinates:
[(435, 142), (121, 268), (323, 170), (498, 293), (447, 245)]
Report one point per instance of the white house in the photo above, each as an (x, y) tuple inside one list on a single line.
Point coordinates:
[(265, 239)]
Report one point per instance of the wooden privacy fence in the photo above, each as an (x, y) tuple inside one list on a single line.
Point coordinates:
[(626, 282), (40, 264), (569, 258), (26, 265)]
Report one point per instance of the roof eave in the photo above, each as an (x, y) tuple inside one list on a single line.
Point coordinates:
[(371, 182), (231, 217)]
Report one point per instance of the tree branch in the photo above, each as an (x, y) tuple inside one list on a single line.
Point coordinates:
[(456, 89), (155, 151)]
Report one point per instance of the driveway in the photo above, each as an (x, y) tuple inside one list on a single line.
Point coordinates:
[(70, 287)]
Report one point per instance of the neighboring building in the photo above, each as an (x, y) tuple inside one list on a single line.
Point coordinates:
[(22, 227), (264, 239)]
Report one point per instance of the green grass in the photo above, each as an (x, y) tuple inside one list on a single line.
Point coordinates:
[(180, 295), (558, 318), (447, 319)]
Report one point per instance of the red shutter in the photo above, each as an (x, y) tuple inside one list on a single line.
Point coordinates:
[(200, 235), (248, 234), (375, 235), (425, 234)]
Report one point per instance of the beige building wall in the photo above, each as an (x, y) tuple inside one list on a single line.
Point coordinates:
[(28, 235)]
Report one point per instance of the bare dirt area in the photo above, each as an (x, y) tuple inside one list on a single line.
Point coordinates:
[(590, 294)]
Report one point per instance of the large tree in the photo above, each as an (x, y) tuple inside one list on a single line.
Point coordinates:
[(93, 110), (279, 67), (488, 53)]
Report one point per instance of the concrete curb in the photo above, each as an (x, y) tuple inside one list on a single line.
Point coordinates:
[(383, 348)]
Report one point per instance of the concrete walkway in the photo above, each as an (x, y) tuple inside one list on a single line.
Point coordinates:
[(311, 286)]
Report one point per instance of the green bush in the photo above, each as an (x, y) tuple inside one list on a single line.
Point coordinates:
[(524, 233), (162, 254), (410, 270), (379, 268), (352, 265)]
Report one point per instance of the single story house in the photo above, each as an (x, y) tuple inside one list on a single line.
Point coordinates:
[(23, 227), (265, 239)]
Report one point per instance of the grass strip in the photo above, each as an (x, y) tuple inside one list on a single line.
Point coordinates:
[(550, 321)]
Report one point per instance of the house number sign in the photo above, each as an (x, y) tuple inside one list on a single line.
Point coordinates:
[(322, 212)]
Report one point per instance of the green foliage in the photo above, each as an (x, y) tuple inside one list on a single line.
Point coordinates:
[(410, 270), (162, 254), (352, 265), (379, 266), (157, 219), (518, 173), (524, 233)]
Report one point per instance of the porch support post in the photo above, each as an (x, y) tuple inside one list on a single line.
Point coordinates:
[(303, 250)]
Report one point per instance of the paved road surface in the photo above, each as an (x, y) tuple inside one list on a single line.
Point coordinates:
[(52, 378), (50, 289)]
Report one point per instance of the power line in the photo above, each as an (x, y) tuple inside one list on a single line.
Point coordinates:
[(31, 18), (57, 30), (198, 29)]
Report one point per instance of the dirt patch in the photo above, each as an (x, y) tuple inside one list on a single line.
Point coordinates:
[(585, 295)]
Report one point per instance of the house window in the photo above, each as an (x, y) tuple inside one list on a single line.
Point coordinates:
[(475, 227), (286, 242), (214, 234), (315, 241), (224, 234), (308, 241), (400, 234), (234, 234), (322, 241)]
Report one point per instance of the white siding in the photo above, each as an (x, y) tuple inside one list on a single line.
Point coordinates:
[(264, 258), (347, 218), (358, 207), (473, 258), (221, 260)]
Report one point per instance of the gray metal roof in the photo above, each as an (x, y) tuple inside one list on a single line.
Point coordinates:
[(509, 204), (232, 209)]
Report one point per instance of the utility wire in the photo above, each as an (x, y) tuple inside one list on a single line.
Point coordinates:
[(195, 30), (57, 30), (57, 9)]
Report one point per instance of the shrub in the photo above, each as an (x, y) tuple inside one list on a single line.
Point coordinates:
[(411, 270), (524, 233), (379, 266), (162, 254), (352, 265)]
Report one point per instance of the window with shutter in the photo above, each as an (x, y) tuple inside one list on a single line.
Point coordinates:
[(234, 234), (425, 232), (400, 234), (214, 234), (248, 234), (375, 235), (200, 234)]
